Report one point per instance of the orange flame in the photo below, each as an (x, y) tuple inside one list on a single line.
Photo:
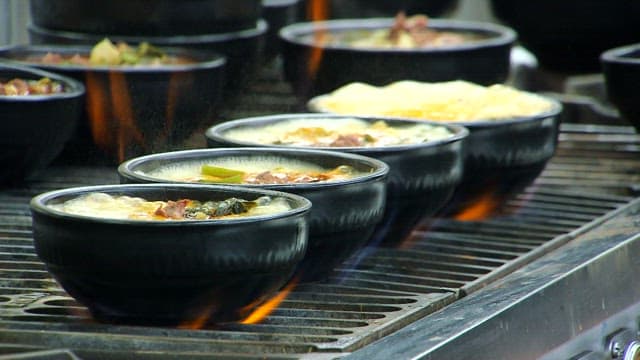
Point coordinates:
[(318, 10), (265, 309), (123, 114), (482, 208), (98, 111)]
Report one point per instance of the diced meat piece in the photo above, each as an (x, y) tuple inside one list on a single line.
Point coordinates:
[(347, 140), (173, 209)]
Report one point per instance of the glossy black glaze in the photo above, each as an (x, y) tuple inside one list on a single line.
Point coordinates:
[(278, 14), (145, 109), (146, 17), (35, 128), (170, 272), (243, 49), (568, 36), (422, 177), (504, 156), (484, 62), (386, 8), (621, 69), (344, 213)]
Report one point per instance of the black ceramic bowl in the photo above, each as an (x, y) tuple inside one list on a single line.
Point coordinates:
[(621, 69), (501, 156), (314, 69), (278, 14), (243, 48), (170, 272), (344, 213), (133, 110), (35, 128), (568, 36), (385, 8), (422, 177), (146, 17)]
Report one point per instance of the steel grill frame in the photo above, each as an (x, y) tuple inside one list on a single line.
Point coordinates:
[(370, 296)]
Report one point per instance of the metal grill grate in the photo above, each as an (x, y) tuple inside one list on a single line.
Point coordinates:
[(372, 294)]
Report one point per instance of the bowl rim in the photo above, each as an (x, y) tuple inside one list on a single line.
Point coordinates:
[(260, 29), (204, 59), (381, 169), (619, 55), (38, 204), (216, 132), (503, 35), (555, 110), (73, 88)]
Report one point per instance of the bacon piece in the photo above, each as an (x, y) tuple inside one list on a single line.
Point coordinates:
[(173, 209)]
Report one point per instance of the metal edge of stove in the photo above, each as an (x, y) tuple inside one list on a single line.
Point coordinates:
[(536, 310)]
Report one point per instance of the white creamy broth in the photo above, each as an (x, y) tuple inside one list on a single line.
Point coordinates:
[(252, 170), (101, 205), (339, 132)]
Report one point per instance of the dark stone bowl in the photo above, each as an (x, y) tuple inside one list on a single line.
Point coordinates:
[(170, 272), (146, 17), (315, 69), (422, 177), (278, 14), (568, 36), (501, 157), (621, 69), (243, 48), (344, 212), (35, 128), (132, 110)]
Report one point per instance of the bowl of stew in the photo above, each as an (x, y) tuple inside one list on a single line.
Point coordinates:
[(169, 253), (425, 159), (347, 191), (320, 56), (139, 98), (40, 111)]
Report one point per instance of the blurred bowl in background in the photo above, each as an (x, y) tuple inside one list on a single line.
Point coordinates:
[(35, 128), (314, 65), (568, 36), (169, 271), (135, 110), (278, 14), (384, 8), (621, 69), (243, 48), (345, 210), (146, 17)]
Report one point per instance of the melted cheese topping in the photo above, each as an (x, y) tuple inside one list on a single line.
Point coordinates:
[(345, 132), (445, 101), (101, 205)]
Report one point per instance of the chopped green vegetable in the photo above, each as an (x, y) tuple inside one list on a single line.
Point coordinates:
[(220, 171)]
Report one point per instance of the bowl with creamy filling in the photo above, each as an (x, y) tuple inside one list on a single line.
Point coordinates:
[(512, 133), (39, 112), (347, 191), (320, 56), (425, 159), (170, 253), (139, 97)]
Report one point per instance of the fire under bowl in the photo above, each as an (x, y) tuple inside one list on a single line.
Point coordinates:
[(135, 110), (422, 177), (344, 213), (170, 272)]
